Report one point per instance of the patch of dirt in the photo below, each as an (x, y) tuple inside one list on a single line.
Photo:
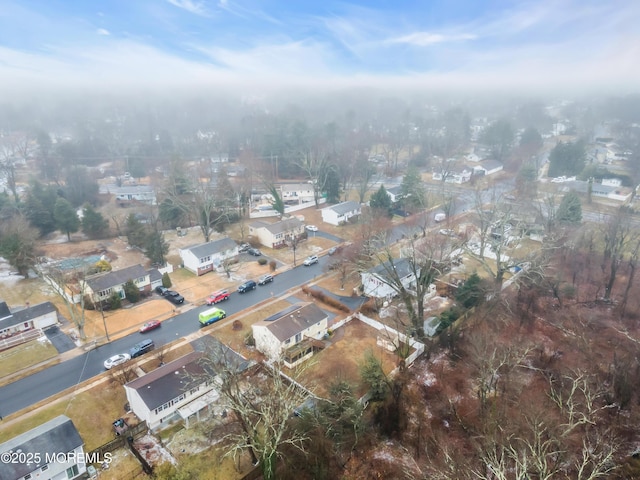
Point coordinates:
[(153, 451)]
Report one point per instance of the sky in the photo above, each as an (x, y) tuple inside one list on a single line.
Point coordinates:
[(429, 43)]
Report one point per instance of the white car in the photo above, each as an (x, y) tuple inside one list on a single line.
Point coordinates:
[(310, 260), (111, 362), (312, 228)]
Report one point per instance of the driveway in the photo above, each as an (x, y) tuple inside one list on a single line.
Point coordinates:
[(325, 235), (59, 339)]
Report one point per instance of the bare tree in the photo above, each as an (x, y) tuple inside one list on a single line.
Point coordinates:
[(262, 400), (315, 164), (618, 233)]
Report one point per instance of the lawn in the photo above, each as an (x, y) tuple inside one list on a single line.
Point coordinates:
[(24, 356), (91, 411)]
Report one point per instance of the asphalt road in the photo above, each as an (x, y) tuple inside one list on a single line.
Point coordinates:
[(34, 388)]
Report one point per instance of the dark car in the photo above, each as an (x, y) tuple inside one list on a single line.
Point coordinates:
[(174, 297), (254, 251), (162, 290), (246, 286), (141, 348)]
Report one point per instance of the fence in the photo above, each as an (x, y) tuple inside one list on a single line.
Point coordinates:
[(287, 210), (19, 339), (136, 431)]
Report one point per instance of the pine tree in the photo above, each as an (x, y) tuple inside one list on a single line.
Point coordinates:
[(570, 209), (66, 217), (381, 200)]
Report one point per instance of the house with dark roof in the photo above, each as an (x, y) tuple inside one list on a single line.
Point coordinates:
[(276, 235), (340, 213), (395, 193), (100, 286), (181, 390), (40, 316), (205, 257), (380, 281), (287, 334), (296, 193), (52, 450)]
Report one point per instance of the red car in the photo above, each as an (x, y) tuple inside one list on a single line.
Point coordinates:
[(217, 297), (153, 324)]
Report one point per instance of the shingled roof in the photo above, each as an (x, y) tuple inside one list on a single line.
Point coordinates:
[(53, 437), (104, 281), (279, 227), (209, 248), (292, 320), (24, 315)]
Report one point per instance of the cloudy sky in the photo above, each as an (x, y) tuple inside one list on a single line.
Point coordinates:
[(455, 43)]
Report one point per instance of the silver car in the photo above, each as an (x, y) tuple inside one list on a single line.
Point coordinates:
[(116, 360)]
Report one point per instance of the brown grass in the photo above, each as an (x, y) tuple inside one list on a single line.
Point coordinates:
[(24, 356), (326, 299)]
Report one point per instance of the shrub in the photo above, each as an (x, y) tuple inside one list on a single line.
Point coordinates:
[(262, 261), (237, 325), (254, 242), (166, 280), (249, 341), (326, 299), (369, 307), (272, 265)]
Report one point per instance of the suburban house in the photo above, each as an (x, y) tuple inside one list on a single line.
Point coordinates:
[(605, 190), (296, 193), (395, 193), (340, 213), (206, 257), (377, 282), (33, 317), (183, 389), (100, 286), (488, 167), (291, 334), (455, 175), (276, 235), (134, 194), (54, 451)]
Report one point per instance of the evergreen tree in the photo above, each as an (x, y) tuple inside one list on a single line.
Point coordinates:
[(381, 201), (131, 292), (570, 209), (166, 280), (413, 193), (156, 248), (94, 225), (170, 213), (66, 217), (135, 231), (470, 293), (332, 185), (277, 203), (566, 159), (39, 207)]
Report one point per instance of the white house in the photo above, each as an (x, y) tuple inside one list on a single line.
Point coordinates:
[(40, 316), (340, 213), (395, 193), (206, 257), (296, 193), (289, 334), (130, 194), (455, 175), (276, 235), (100, 286), (488, 167), (180, 390), (53, 450), (378, 281)]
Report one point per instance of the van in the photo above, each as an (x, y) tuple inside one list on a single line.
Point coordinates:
[(141, 348)]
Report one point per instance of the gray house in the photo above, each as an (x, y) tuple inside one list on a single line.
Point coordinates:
[(55, 449), (40, 316)]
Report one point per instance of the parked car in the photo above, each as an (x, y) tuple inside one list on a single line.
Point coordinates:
[(162, 290), (310, 260), (120, 426), (264, 279), (246, 286), (311, 228), (210, 316), (151, 325), (217, 297), (141, 348), (254, 251), (174, 297), (447, 232), (333, 250), (244, 247), (116, 360)]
